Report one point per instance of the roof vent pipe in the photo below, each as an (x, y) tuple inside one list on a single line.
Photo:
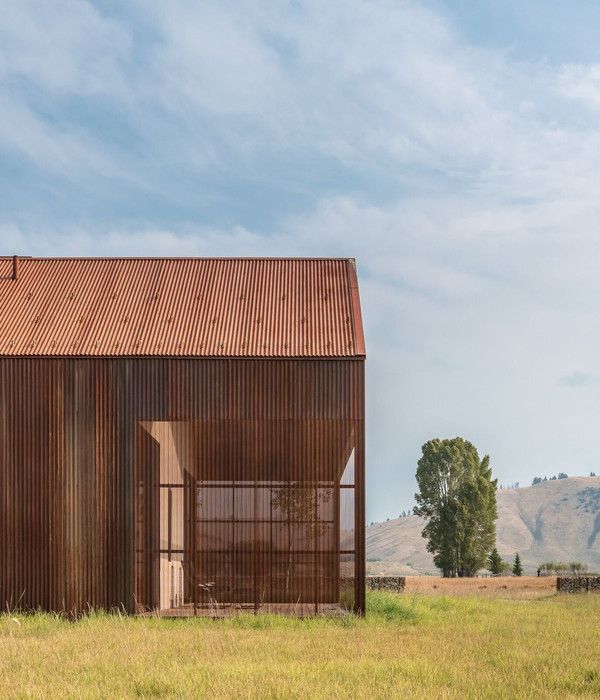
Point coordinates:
[(15, 267)]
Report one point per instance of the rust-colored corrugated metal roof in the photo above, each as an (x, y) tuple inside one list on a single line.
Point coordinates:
[(188, 307)]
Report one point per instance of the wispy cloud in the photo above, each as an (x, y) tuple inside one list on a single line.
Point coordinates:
[(69, 47), (575, 379), (580, 83)]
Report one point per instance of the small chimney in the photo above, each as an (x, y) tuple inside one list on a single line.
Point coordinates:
[(15, 267)]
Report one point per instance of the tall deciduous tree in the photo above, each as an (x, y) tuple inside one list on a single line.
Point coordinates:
[(457, 497)]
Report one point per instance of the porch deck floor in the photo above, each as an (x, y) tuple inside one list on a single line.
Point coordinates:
[(229, 610)]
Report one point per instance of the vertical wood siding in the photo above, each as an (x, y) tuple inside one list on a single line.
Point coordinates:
[(79, 472)]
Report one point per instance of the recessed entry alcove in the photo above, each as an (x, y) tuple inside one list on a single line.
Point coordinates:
[(245, 515)]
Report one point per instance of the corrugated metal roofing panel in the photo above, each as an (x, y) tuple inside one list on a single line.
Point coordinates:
[(188, 307)]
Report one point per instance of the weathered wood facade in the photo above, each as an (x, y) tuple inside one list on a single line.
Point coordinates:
[(180, 483)]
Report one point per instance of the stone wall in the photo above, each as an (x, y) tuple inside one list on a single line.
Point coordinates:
[(395, 584), (577, 584)]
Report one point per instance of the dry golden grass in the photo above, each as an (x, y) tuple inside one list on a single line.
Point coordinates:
[(409, 646), (512, 587)]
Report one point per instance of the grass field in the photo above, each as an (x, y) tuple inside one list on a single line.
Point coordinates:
[(414, 645)]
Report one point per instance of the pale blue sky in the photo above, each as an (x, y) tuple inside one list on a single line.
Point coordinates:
[(453, 148)]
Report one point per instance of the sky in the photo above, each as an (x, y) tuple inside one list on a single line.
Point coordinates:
[(452, 148)]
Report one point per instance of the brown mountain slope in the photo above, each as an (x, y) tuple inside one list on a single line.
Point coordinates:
[(552, 521)]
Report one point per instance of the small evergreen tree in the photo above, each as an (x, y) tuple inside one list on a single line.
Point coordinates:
[(517, 567), (494, 562)]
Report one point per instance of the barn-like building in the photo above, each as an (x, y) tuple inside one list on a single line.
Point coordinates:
[(181, 434)]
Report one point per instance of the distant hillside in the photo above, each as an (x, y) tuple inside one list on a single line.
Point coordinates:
[(552, 521)]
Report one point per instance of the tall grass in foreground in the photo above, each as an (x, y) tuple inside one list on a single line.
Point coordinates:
[(409, 646)]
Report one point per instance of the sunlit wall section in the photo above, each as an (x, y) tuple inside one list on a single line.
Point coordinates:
[(347, 546)]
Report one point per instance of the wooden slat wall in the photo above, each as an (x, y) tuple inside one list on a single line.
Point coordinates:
[(68, 434)]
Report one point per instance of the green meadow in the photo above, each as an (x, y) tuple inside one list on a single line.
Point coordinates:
[(408, 646)]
